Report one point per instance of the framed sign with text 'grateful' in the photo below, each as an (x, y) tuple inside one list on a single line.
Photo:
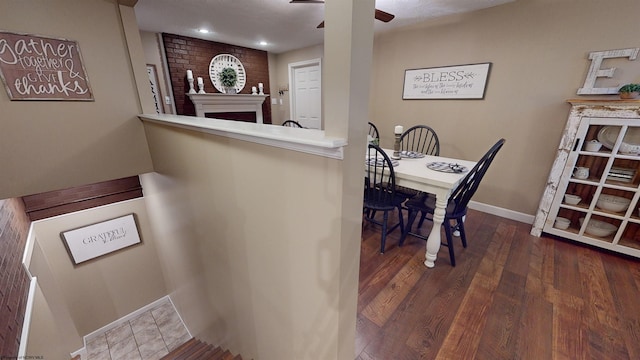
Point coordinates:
[(92, 241), (34, 67)]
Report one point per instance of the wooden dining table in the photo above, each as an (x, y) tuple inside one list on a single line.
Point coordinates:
[(414, 173)]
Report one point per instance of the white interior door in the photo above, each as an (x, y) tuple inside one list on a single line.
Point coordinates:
[(305, 82)]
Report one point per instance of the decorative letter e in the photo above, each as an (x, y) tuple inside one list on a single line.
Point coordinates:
[(595, 71)]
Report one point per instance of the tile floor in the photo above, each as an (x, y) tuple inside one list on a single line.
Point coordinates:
[(150, 335)]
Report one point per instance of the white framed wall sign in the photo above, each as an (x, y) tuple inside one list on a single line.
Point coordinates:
[(448, 82), (92, 241)]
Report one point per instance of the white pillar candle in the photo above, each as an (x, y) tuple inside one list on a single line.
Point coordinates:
[(189, 75), (398, 129), (200, 82)]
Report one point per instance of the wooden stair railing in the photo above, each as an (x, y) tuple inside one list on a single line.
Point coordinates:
[(195, 349)]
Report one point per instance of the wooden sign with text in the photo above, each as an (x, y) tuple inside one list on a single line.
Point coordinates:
[(34, 67), (92, 241), (448, 82)]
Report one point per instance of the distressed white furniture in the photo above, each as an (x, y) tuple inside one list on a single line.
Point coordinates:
[(414, 174), (586, 120), (227, 103)]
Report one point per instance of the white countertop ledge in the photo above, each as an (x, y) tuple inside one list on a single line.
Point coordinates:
[(309, 141)]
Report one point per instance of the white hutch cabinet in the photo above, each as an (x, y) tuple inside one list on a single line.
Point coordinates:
[(601, 218)]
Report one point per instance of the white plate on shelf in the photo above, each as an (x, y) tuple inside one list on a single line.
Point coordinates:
[(630, 144)]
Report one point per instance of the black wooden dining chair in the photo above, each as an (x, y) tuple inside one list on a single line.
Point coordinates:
[(457, 205), (422, 139), (292, 123), (379, 192), (373, 131)]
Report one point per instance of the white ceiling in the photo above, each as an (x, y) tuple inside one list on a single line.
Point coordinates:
[(282, 25)]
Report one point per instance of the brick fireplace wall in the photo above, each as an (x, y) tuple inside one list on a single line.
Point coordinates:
[(185, 53), (14, 282)]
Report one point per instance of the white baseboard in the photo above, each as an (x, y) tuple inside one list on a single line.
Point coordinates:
[(502, 212), (82, 352)]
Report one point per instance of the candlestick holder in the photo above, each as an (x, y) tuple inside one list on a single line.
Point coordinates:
[(396, 148), (260, 89), (201, 87), (191, 89)]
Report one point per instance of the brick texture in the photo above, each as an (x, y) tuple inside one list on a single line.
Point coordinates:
[(185, 53), (14, 282)]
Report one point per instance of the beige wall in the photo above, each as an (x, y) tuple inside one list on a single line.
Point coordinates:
[(68, 337), (48, 145), (279, 68), (348, 46), (46, 338), (255, 228), (539, 50), (100, 291)]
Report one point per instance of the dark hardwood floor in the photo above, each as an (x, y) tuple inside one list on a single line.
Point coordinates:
[(511, 296)]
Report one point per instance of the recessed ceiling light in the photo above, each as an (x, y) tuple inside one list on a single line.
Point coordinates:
[(263, 43), (203, 31)]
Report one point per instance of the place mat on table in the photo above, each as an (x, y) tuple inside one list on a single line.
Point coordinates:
[(379, 161), (447, 167), (411, 155)]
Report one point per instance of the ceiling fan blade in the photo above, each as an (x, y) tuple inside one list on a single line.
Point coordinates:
[(384, 16), (380, 15)]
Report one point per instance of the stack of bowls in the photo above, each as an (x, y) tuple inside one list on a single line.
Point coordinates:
[(613, 203), (562, 223), (599, 228), (572, 199)]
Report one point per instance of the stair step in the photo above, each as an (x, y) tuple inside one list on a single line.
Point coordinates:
[(227, 355), (194, 349), (191, 351), (182, 348)]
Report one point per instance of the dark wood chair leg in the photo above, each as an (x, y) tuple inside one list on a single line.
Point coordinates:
[(463, 236), (423, 215), (384, 231), (401, 220), (405, 230), (449, 233)]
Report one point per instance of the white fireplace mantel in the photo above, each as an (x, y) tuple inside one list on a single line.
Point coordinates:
[(228, 103)]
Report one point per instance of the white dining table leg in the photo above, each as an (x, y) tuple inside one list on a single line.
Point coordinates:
[(433, 241)]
